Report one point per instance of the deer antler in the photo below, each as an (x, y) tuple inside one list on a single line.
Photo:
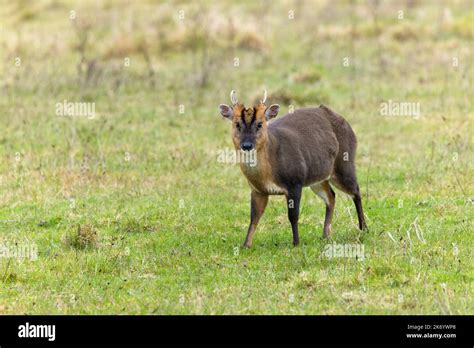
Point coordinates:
[(233, 97), (264, 97)]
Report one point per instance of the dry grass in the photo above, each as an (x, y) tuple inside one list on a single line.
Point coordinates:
[(83, 237)]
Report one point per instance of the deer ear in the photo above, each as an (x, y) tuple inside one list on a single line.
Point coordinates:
[(272, 111), (226, 111)]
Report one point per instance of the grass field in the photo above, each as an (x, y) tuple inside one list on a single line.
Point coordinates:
[(130, 211)]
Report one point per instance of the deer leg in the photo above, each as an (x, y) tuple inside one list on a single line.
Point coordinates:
[(349, 185), (326, 193), (258, 202), (360, 213), (293, 201)]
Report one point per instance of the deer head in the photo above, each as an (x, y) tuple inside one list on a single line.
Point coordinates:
[(249, 125)]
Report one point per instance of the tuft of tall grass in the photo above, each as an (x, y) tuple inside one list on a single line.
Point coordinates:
[(84, 236)]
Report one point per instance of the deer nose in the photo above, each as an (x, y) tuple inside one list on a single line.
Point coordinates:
[(246, 146)]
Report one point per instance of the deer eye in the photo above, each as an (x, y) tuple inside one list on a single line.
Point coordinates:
[(259, 125), (237, 125)]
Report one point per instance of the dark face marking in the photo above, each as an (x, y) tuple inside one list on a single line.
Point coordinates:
[(248, 116), (249, 125), (248, 128)]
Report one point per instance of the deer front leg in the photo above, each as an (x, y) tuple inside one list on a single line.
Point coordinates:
[(293, 201), (258, 202)]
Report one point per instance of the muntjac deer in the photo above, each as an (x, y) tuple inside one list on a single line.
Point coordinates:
[(309, 147)]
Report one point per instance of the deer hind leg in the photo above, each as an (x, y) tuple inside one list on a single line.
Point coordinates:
[(346, 181), (326, 193)]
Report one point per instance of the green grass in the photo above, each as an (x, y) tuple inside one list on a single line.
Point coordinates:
[(162, 220)]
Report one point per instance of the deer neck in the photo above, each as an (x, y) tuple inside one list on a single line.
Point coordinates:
[(260, 176)]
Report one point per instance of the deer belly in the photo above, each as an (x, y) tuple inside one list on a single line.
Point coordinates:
[(269, 188)]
